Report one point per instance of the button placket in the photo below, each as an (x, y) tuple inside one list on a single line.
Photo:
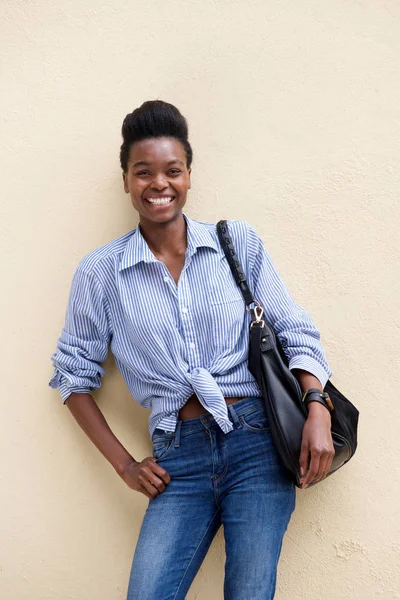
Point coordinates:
[(184, 303), (167, 278)]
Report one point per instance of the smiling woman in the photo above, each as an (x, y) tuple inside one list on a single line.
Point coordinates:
[(213, 461), (156, 167)]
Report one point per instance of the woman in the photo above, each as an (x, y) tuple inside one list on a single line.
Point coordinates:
[(163, 297)]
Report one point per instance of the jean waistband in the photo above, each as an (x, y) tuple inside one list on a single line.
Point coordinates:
[(189, 426)]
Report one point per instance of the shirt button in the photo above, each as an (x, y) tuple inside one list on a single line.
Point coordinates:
[(185, 310), (192, 345), (166, 278)]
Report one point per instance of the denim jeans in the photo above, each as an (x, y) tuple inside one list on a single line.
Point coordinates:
[(233, 479)]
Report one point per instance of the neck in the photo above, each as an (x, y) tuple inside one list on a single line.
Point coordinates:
[(165, 238)]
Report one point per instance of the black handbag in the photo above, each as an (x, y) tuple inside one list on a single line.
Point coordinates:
[(279, 387)]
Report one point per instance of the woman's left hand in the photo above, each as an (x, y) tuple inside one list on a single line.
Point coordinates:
[(317, 449)]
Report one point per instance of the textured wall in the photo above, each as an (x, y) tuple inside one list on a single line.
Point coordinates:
[(294, 115)]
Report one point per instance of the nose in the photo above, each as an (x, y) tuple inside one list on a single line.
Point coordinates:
[(159, 182)]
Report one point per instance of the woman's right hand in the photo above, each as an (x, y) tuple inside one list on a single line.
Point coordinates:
[(146, 476)]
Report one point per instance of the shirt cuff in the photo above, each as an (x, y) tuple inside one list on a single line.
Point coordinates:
[(307, 363), (66, 391), (66, 388)]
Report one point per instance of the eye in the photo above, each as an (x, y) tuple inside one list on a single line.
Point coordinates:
[(175, 171), (142, 173)]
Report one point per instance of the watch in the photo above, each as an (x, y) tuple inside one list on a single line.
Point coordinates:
[(315, 395)]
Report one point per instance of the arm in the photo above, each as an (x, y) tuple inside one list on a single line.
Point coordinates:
[(316, 447), (300, 340), (146, 476), (81, 350), (92, 421), (293, 325)]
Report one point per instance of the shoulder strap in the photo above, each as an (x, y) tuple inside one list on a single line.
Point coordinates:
[(256, 312), (236, 267)]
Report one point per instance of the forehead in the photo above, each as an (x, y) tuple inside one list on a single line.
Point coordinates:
[(157, 150)]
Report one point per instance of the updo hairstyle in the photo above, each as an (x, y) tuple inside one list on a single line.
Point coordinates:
[(154, 118)]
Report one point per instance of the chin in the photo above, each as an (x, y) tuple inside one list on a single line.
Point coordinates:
[(164, 216), (168, 218)]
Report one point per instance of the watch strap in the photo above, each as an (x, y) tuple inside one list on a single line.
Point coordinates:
[(315, 395)]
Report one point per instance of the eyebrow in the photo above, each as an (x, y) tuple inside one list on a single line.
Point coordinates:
[(142, 163)]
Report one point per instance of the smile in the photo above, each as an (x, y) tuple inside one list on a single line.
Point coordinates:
[(160, 200)]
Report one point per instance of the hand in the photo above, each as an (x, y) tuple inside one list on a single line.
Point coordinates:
[(317, 449), (146, 476)]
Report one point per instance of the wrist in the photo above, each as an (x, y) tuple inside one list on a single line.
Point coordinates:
[(316, 409), (121, 465), (315, 396)]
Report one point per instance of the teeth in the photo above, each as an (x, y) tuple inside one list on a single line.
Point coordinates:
[(159, 201)]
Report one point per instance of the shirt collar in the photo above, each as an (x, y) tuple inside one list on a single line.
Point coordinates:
[(137, 249)]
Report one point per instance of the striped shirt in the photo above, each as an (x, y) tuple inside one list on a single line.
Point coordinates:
[(172, 340)]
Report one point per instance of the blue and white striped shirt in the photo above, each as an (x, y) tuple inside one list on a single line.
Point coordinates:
[(170, 341)]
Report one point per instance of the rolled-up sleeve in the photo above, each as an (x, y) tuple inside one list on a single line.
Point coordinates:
[(84, 341), (296, 331)]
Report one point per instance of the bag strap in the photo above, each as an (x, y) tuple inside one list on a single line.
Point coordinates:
[(257, 311), (236, 268)]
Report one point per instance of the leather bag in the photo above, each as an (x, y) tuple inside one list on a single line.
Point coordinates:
[(280, 388)]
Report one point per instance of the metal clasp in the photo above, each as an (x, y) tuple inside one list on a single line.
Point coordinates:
[(258, 312)]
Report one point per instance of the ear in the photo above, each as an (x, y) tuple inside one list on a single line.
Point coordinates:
[(125, 180), (190, 181)]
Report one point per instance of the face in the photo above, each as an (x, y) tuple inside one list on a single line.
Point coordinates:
[(157, 179)]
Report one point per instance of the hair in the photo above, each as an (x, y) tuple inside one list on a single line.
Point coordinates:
[(154, 119)]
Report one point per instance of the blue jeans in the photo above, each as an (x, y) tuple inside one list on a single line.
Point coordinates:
[(233, 479)]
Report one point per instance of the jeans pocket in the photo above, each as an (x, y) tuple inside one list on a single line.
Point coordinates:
[(255, 421), (162, 445)]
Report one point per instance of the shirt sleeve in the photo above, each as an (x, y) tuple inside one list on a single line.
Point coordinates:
[(297, 333), (83, 344)]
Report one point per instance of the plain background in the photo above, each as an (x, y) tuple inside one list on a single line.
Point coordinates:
[(294, 116)]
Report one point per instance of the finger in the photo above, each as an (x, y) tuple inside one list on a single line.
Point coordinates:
[(313, 469), (162, 473), (304, 459), (151, 489), (323, 466), (143, 481), (150, 480), (143, 490), (328, 464), (157, 483)]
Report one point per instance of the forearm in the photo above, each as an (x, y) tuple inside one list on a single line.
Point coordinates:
[(92, 421), (307, 381)]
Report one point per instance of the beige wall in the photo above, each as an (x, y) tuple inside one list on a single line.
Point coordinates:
[(294, 111)]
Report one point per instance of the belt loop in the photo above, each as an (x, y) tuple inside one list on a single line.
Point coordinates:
[(178, 433), (234, 416)]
